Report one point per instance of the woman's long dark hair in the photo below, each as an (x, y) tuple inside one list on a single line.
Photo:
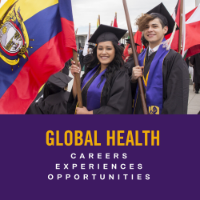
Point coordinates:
[(114, 66)]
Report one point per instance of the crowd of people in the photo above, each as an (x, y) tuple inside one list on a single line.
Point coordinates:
[(110, 81)]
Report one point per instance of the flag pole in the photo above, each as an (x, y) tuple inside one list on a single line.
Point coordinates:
[(77, 78), (78, 81), (111, 23), (89, 30), (76, 31), (99, 19), (180, 26), (144, 106)]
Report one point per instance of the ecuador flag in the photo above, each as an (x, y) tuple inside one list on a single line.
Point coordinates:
[(36, 39)]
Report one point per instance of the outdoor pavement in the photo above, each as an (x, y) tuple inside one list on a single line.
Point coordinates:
[(193, 103)]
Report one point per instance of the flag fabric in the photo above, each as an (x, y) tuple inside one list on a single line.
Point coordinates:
[(36, 39), (115, 23), (137, 39), (85, 50), (189, 14), (125, 54), (176, 17), (192, 34)]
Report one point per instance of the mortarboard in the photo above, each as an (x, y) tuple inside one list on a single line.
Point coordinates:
[(60, 79), (107, 33), (135, 45), (162, 13), (128, 40), (91, 46)]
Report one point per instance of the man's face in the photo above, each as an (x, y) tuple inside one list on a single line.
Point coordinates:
[(154, 33)]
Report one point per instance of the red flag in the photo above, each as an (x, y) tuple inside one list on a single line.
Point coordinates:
[(195, 49), (137, 39), (176, 17), (126, 52), (192, 38), (115, 23), (189, 14)]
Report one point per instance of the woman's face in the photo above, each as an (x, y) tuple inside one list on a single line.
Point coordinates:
[(130, 51), (105, 52)]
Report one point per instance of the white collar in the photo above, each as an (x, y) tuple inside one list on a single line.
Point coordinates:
[(154, 49)]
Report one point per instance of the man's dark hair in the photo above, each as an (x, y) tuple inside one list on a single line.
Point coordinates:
[(142, 21)]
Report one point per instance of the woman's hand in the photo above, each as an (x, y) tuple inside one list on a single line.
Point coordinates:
[(126, 58), (83, 111), (75, 68), (137, 72)]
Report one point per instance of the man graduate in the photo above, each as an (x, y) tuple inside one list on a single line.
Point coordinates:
[(165, 73), (195, 61)]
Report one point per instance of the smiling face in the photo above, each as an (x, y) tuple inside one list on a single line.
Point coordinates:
[(105, 52), (154, 32)]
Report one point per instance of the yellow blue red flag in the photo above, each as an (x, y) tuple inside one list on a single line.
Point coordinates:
[(36, 39)]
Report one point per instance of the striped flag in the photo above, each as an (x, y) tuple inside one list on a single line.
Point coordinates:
[(36, 39)]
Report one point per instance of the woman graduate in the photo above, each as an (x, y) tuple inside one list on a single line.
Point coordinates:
[(105, 85), (165, 74)]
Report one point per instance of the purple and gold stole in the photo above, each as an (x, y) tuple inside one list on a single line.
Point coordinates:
[(153, 82), (94, 92)]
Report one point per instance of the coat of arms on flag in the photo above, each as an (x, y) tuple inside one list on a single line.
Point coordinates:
[(14, 39)]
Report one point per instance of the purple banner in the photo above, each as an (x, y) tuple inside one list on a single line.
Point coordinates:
[(99, 157)]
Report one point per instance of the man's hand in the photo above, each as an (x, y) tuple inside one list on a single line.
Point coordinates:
[(137, 72)]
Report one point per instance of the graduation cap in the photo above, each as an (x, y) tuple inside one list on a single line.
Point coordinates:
[(91, 46), (162, 13), (59, 79), (107, 33), (128, 40), (130, 46)]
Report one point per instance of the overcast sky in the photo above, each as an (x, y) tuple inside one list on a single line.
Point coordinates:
[(87, 11)]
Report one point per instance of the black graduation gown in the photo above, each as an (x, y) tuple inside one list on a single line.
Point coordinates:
[(53, 104), (195, 61), (66, 67), (129, 65), (86, 59), (81, 57), (118, 102), (175, 84)]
